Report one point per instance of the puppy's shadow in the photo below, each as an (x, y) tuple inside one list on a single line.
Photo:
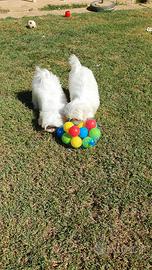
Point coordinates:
[(25, 97)]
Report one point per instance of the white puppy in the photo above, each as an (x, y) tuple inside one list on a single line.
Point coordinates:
[(83, 90), (49, 98)]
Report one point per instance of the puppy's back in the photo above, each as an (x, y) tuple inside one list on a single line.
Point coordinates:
[(45, 79)]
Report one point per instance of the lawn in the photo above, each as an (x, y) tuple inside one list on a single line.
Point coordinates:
[(77, 209)]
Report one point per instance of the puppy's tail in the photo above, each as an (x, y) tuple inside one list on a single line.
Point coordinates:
[(74, 62)]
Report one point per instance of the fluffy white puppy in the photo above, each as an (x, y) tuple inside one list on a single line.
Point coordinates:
[(83, 90), (49, 98)]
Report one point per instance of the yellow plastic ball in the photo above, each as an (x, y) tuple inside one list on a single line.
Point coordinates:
[(76, 142), (67, 126), (81, 124)]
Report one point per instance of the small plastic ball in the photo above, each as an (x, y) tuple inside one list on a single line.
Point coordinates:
[(66, 138), (75, 122), (83, 132), (95, 134), (67, 126), (76, 142), (59, 132), (92, 142), (90, 123), (86, 142), (31, 24), (74, 131), (81, 124)]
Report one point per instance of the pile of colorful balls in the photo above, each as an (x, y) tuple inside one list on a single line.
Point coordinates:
[(79, 134)]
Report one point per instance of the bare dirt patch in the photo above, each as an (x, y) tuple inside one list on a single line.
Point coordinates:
[(20, 8)]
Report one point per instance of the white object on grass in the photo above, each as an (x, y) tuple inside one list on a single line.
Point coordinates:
[(31, 24), (149, 29)]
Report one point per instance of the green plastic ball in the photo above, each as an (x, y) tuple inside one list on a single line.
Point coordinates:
[(86, 142), (95, 134), (66, 138)]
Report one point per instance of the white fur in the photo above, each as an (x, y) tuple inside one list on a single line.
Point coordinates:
[(49, 98), (83, 90)]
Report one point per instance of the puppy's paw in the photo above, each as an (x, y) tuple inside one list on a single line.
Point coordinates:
[(50, 129)]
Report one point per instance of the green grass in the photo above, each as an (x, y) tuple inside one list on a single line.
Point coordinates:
[(75, 209), (66, 6)]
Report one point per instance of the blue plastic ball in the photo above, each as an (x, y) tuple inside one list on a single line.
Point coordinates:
[(92, 142), (83, 132), (59, 132)]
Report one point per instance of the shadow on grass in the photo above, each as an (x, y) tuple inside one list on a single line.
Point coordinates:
[(25, 97)]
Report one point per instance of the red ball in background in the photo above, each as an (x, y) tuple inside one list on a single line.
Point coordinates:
[(74, 131), (67, 13), (91, 123)]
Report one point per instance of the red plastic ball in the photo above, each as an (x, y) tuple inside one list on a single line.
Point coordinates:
[(74, 131), (67, 13), (91, 123)]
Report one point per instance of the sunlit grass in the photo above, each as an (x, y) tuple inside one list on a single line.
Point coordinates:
[(77, 209)]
